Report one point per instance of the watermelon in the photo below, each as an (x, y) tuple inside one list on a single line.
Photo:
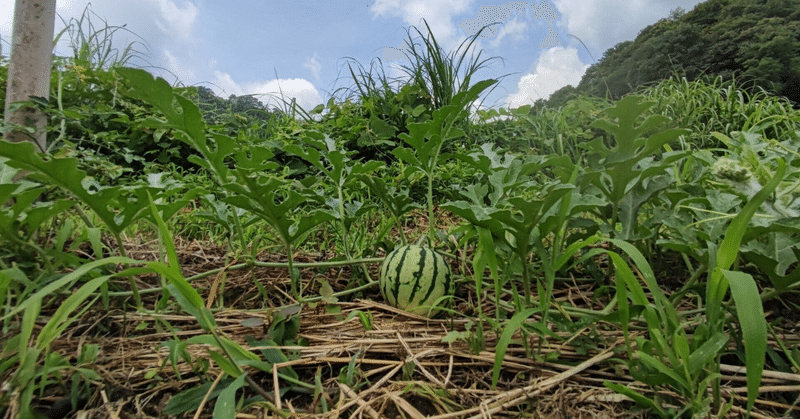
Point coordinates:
[(414, 278)]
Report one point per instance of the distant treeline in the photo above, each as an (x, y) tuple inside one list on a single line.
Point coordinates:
[(755, 42)]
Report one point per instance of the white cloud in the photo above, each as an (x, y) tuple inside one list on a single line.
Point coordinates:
[(556, 67), (225, 85), (176, 67), (169, 20), (162, 31), (438, 13), (270, 92), (515, 28), (491, 16), (176, 21), (314, 65), (601, 24)]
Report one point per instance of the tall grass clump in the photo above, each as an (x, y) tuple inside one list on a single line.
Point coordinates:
[(94, 45), (442, 75), (372, 83), (720, 106), (551, 130), (432, 78)]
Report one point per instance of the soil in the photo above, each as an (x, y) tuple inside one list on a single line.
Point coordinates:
[(383, 363)]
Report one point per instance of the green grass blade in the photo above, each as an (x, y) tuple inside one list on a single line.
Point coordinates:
[(67, 279), (26, 371), (707, 352), (226, 402), (649, 277), (754, 328), (166, 240), (569, 253), (489, 256), (189, 299), (664, 369), (624, 309), (729, 249), (636, 397), (625, 276), (58, 322), (505, 339)]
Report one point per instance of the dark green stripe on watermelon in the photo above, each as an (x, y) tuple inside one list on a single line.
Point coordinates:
[(418, 274), (398, 269)]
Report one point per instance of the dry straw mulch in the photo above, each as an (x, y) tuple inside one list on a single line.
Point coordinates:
[(404, 366)]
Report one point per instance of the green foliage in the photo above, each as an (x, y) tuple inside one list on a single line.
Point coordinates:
[(95, 46), (118, 207), (543, 192), (626, 174), (426, 140), (108, 132), (251, 185), (24, 351), (237, 113), (747, 39), (384, 114), (657, 360), (371, 126), (718, 106), (394, 199), (342, 173), (22, 221), (441, 75), (541, 129), (516, 206)]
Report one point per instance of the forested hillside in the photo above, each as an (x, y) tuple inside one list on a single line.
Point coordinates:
[(757, 42)]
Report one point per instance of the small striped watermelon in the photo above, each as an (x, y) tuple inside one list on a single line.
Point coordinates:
[(413, 278)]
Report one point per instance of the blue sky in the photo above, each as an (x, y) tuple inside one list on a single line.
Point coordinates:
[(300, 46)]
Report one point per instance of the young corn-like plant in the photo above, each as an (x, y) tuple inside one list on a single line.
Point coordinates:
[(670, 357), (251, 185)]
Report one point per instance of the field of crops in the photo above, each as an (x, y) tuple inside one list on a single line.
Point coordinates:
[(631, 258)]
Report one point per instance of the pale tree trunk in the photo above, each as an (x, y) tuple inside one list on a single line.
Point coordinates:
[(29, 71)]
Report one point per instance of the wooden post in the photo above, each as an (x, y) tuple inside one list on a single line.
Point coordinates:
[(30, 67)]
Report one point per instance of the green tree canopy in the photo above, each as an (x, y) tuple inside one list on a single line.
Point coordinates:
[(754, 41)]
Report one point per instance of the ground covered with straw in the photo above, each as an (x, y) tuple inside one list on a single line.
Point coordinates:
[(393, 365)]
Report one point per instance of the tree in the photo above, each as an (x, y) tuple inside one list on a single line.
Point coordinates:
[(29, 71), (755, 41)]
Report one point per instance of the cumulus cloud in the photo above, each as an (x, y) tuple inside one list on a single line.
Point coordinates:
[(171, 20), (314, 65), (601, 24), (515, 28), (225, 86), (177, 67), (163, 32), (177, 21), (490, 15), (271, 92), (438, 13), (555, 68)]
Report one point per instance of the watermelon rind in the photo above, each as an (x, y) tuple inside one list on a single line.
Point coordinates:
[(415, 279)]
